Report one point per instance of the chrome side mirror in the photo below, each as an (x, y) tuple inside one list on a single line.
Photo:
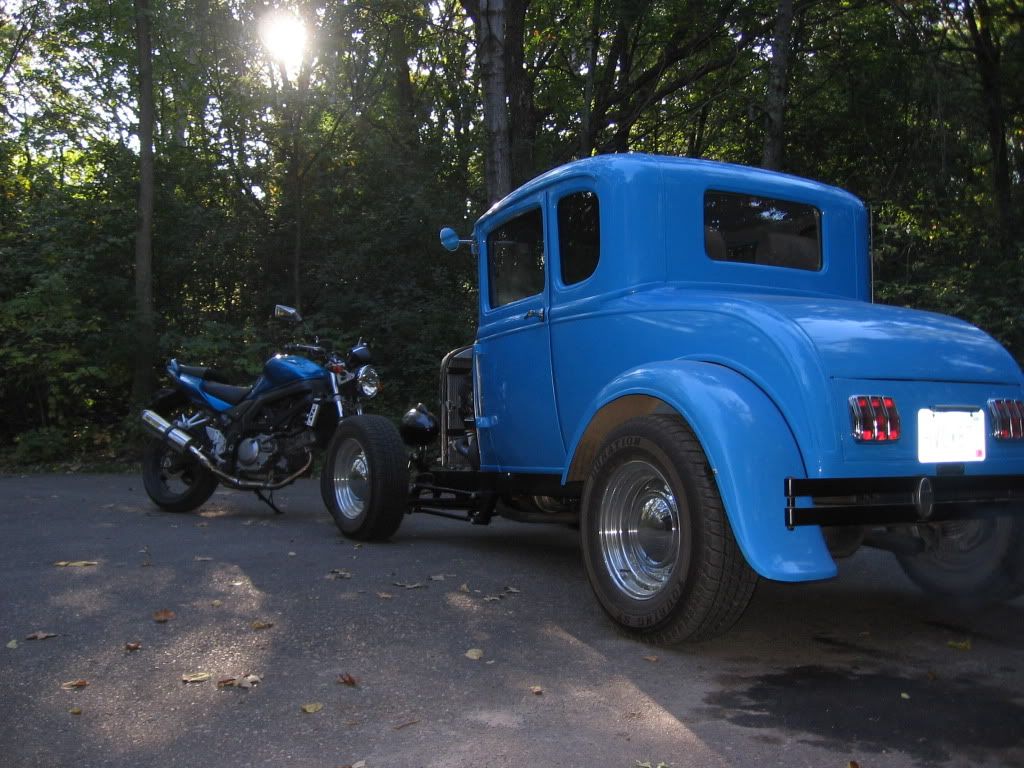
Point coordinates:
[(289, 313)]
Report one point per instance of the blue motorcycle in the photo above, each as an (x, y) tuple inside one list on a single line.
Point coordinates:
[(263, 437)]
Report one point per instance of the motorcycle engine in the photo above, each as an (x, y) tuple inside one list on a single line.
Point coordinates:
[(255, 452)]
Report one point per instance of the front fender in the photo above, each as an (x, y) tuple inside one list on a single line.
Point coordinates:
[(749, 447)]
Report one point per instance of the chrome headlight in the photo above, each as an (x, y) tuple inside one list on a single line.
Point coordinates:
[(367, 381)]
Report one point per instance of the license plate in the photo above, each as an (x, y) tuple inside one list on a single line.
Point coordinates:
[(948, 436)]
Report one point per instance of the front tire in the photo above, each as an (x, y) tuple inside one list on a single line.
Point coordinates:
[(659, 552), (175, 482), (970, 560), (365, 479)]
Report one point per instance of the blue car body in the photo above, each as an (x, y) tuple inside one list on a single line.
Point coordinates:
[(760, 359)]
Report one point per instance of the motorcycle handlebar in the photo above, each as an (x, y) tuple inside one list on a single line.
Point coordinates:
[(309, 349)]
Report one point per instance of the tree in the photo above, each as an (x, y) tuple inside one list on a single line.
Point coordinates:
[(145, 333)]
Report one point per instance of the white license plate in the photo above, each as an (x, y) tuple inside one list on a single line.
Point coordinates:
[(945, 436)]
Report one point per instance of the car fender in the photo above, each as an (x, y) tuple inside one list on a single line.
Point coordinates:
[(748, 444)]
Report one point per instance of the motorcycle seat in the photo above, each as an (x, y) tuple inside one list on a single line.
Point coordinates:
[(226, 392), (203, 372)]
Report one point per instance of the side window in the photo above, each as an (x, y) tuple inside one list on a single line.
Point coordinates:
[(579, 236), (515, 259), (762, 230)]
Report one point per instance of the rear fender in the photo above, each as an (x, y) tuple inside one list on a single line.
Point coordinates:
[(748, 444)]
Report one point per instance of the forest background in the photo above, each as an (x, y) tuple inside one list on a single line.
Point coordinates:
[(319, 175)]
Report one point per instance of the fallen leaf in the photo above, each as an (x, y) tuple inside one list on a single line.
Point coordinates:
[(132, 646), (238, 583), (217, 603), (259, 624), (74, 685), (246, 681), (75, 711), (163, 616), (400, 726), (339, 573), (463, 588), (195, 677), (203, 559), (512, 590), (905, 696), (360, 764), (312, 707), (201, 525), (853, 764), (291, 554), (384, 595), (40, 635), (412, 585), (536, 690), (75, 563), (492, 598), (12, 644), (651, 659), (357, 546), (438, 577), (960, 645), (475, 654), (347, 679)]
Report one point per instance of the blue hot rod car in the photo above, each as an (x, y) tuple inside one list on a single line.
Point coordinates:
[(683, 358)]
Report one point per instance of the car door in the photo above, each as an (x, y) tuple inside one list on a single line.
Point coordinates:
[(517, 419)]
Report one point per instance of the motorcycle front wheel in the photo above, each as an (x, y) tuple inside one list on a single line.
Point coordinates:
[(175, 482), (365, 479)]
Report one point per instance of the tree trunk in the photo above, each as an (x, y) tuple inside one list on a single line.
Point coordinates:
[(986, 50), (489, 16), (775, 98), (145, 337), (593, 43)]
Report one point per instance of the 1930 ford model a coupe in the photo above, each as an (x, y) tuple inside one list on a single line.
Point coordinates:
[(683, 358)]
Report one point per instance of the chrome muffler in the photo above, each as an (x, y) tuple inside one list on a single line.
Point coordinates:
[(181, 441)]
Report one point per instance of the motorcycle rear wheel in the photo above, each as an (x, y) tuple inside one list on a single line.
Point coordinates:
[(175, 483)]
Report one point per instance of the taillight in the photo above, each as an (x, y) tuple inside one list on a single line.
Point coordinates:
[(338, 368), (1007, 419), (875, 419)]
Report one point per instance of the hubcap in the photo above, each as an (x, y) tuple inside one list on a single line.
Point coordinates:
[(639, 529), (351, 479)]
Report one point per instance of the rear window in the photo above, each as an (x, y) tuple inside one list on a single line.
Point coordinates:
[(762, 230)]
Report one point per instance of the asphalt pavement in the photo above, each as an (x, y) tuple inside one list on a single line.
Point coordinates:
[(346, 654)]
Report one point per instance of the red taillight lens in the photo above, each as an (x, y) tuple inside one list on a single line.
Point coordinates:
[(1007, 419), (338, 368), (875, 419)]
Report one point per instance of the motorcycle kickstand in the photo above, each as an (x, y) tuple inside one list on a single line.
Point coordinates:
[(269, 501)]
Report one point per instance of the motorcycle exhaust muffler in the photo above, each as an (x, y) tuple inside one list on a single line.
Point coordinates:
[(181, 441)]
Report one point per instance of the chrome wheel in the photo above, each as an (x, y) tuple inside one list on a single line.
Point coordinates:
[(351, 479), (639, 529)]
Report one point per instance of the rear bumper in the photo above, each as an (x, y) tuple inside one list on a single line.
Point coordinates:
[(895, 500)]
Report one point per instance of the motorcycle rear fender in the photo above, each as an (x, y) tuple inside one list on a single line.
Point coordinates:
[(749, 447)]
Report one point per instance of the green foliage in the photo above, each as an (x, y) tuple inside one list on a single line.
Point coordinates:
[(342, 173)]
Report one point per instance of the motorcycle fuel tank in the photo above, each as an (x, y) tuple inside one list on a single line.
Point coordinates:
[(281, 370)]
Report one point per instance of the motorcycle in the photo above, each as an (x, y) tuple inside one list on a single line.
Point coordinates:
[(206, 431)]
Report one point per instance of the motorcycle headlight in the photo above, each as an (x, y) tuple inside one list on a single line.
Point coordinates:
[(367, 381)]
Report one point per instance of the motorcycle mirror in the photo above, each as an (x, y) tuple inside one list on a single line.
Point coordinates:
[(291, 313)]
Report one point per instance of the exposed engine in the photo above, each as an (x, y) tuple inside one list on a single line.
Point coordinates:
[(458, 419), (281, 444)]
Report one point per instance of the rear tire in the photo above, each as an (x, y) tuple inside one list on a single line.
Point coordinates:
[(971, 560), (658, 548), (175, 482), (365, 479)]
